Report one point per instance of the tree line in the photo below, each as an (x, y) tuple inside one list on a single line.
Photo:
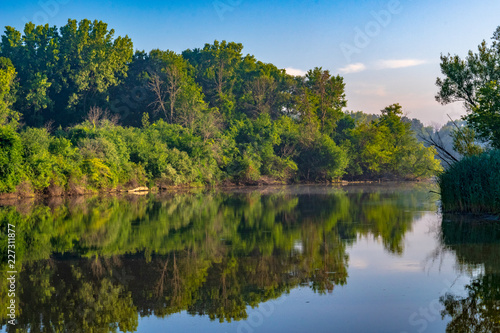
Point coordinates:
[(80, 110)]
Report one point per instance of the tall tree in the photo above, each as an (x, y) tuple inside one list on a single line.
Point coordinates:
[(93, 61), (330, 97), (10, 143), (216, 65), (392, 118), (263, 88), (64, 72), (35, 54), (176, 93), (474, 81), (7, 98)]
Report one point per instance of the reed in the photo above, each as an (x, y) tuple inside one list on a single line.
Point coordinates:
[(472, 185)]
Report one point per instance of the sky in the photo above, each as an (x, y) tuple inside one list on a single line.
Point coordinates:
[(387, 51)]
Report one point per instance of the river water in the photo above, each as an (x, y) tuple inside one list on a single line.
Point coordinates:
[(365, 258)]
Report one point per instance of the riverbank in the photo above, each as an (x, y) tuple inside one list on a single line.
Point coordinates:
[(25, 192)]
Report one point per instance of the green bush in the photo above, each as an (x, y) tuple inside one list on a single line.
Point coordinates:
[(320, 158), (99, 175), (39, 164), (246, 167), (162, 164), (10, 159), (191, 157)]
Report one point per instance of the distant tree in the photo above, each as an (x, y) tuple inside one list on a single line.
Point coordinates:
[(361, 117), (465, 141), (441, 139)]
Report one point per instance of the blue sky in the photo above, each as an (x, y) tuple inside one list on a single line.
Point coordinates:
[(387, 51)]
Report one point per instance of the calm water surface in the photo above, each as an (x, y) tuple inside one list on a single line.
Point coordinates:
[(274, 259)]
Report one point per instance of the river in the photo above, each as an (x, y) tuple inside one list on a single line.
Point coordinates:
[(306, 258)]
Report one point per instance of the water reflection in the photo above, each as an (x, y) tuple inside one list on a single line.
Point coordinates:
[(99, 264), (476, 245)]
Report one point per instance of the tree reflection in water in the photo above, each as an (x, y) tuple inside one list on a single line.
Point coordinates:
[(97, 264), (476, 244)]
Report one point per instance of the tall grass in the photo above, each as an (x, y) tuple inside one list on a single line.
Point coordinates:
[(472, 185)]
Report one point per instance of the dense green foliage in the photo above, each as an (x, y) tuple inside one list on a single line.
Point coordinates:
[(472, 184), (115, 119)]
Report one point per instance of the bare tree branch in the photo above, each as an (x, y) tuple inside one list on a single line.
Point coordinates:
[(155, 85)]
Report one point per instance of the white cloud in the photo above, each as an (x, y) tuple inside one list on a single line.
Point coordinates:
[(399, 63), (353, 68), (295, 71), (370, 90)]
